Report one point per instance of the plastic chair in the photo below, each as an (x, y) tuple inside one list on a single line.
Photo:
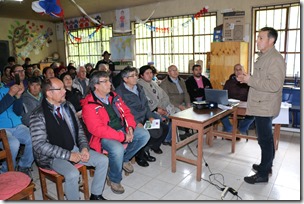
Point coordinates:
[(14, 185)]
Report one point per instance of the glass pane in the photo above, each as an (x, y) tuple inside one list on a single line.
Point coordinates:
[(293, 64), (280, 18), (294, 17), (280, 41), (293, 44)]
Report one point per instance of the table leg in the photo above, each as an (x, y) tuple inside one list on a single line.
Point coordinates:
[(199, 154), (173, 147), (234, 128)]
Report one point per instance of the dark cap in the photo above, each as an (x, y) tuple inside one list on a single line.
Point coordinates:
[(105, 52)]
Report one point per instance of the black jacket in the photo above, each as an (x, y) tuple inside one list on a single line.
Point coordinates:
[(193, 89)]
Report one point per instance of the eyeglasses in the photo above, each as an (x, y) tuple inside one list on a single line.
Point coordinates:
[(104, 81), (19, 71), (56, 89), (135, 75)]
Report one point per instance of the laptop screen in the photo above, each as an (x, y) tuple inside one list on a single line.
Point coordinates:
[(217, 96)]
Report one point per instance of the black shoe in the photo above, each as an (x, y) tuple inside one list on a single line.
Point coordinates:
[(256, 168), (97, 197), (256, 178), (148, 157), (141, 162), (157, 151), (184, 136), (166, 143)]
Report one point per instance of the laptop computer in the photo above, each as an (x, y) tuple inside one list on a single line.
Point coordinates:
[(217, 96)]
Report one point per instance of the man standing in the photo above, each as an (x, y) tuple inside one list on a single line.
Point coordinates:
[(81, 82), (264, 98), (112, 126), (59, 141), (106, 60), (197, 83)]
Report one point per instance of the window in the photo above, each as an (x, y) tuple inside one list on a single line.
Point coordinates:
[(285, 18), (91, 45), (186, 42)]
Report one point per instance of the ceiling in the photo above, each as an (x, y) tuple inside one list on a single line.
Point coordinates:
[(23, 10)]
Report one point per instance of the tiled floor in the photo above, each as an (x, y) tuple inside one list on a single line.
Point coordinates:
[(157, 182)]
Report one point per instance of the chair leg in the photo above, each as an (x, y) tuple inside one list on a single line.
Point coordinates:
[(59, 187), (43, 185), (92, 171), (85, 185)]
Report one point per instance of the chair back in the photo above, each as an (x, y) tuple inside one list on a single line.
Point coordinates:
[(5, 153)]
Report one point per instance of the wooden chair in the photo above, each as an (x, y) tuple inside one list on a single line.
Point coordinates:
[(58, 179), (14, 185)]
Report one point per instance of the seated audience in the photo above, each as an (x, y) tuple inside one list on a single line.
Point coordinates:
[(239, 91), (6, 75), (135, 98), (176, 89), (197, 83), (158, 100), (31, 98), (81, 82), (28, 71), (48, 72), (27, 62), (17, 69), (88, 67), (112, 126), (59, 142), (72, 71), (17, 133)]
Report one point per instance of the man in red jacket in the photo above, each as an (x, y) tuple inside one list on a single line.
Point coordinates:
[(113, 127)]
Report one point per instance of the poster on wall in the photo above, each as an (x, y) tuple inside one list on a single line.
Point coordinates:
[(122, 24), (122, 48)]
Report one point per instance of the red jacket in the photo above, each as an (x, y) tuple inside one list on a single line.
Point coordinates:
[(96, 118)]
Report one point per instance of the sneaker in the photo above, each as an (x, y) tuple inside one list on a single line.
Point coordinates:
[(256, 178), (256, 168), (117, 188), (26, 170), (127, 166)]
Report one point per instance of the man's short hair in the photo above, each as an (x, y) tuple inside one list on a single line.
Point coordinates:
[(32, 80), (94, 78), (46, 85), (196, 65), (14, 67), (127, 70), (272, 33), (11, 59)]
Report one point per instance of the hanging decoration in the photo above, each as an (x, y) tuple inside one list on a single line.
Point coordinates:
[(50, 7), (53, 8), (85, 38), (185, 24)]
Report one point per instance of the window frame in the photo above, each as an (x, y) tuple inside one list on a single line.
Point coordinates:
[(284, 30)]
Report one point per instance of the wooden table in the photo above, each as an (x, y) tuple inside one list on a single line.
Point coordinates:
[(241, 111), (200, 120)]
